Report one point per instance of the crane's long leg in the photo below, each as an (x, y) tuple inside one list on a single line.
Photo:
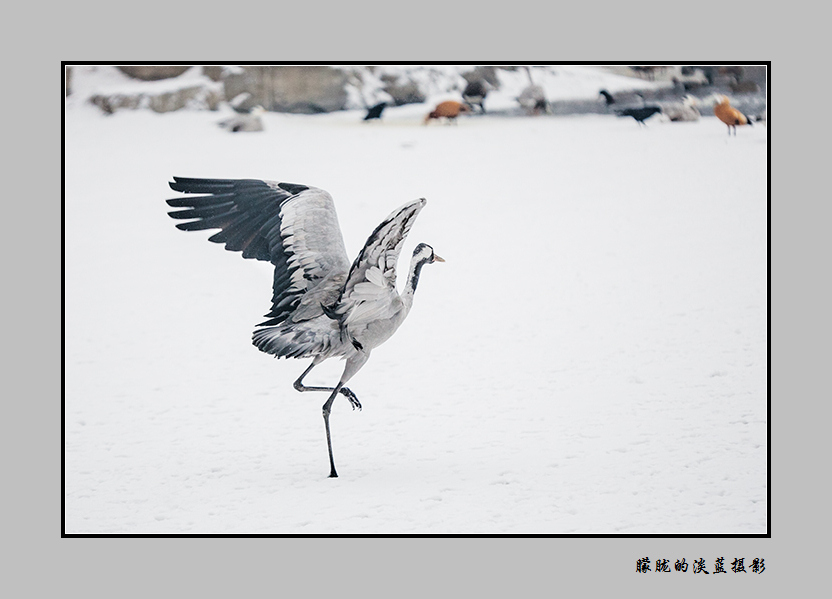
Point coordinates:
[(326, 409), (298, 384), (354, 364)]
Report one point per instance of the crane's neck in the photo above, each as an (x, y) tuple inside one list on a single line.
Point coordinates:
[(416, 264)]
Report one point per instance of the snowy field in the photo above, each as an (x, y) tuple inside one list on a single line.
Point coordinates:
[(591, 357)]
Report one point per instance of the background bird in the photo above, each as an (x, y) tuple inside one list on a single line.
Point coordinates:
[(374, 112), (640, 113), (685, 111), (449, 110), (533, 98), (608, 98), (474, 94), (245, 122), (730, 115), (322, 306)]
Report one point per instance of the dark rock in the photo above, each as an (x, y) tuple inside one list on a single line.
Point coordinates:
[(152, 72)]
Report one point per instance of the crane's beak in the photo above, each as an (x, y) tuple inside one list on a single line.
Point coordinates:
[(438, 258)]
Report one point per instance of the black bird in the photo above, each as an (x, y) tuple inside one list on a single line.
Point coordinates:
[(375, 111), (640, 114), (607, 97)]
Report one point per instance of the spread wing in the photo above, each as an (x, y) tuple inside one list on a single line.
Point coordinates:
[(372, 277), (294, 227)]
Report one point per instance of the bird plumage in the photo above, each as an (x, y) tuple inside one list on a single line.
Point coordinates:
[(244, 122), (640, 114), (450, 110), (608, 97), (730, 115), (474, 94), (322, 305), (374, 112), (533, 99), (684, 111)]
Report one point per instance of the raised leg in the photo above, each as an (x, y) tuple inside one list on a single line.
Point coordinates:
[(299, 386)]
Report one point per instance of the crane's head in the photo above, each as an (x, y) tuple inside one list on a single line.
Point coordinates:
[(424, 254)]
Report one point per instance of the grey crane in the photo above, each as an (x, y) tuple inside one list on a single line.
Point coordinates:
[(322, 307)]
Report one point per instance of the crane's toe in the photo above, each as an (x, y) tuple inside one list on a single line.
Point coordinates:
[(351, 396)]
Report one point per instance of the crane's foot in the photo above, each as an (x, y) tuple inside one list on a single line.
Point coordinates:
[(353, 400)]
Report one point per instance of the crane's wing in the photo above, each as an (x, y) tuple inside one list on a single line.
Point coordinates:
[(373, 274), (294, 227)]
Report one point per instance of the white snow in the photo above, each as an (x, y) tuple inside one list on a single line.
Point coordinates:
[(107, 80), (591, 357)]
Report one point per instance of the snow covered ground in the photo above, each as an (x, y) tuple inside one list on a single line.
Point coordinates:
[(592, 357)]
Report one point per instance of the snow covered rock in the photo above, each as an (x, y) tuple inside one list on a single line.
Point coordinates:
[(191, 89), (298, 89), (165, 101)]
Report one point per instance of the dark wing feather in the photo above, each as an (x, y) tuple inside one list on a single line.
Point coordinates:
[(294, 227)]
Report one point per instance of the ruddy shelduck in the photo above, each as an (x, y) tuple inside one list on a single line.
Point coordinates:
[(730, 115)]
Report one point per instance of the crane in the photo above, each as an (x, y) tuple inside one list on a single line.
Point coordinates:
[(322, 306)]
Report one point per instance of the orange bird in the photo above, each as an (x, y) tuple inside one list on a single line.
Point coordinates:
[(730, 115), (449, 110)]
